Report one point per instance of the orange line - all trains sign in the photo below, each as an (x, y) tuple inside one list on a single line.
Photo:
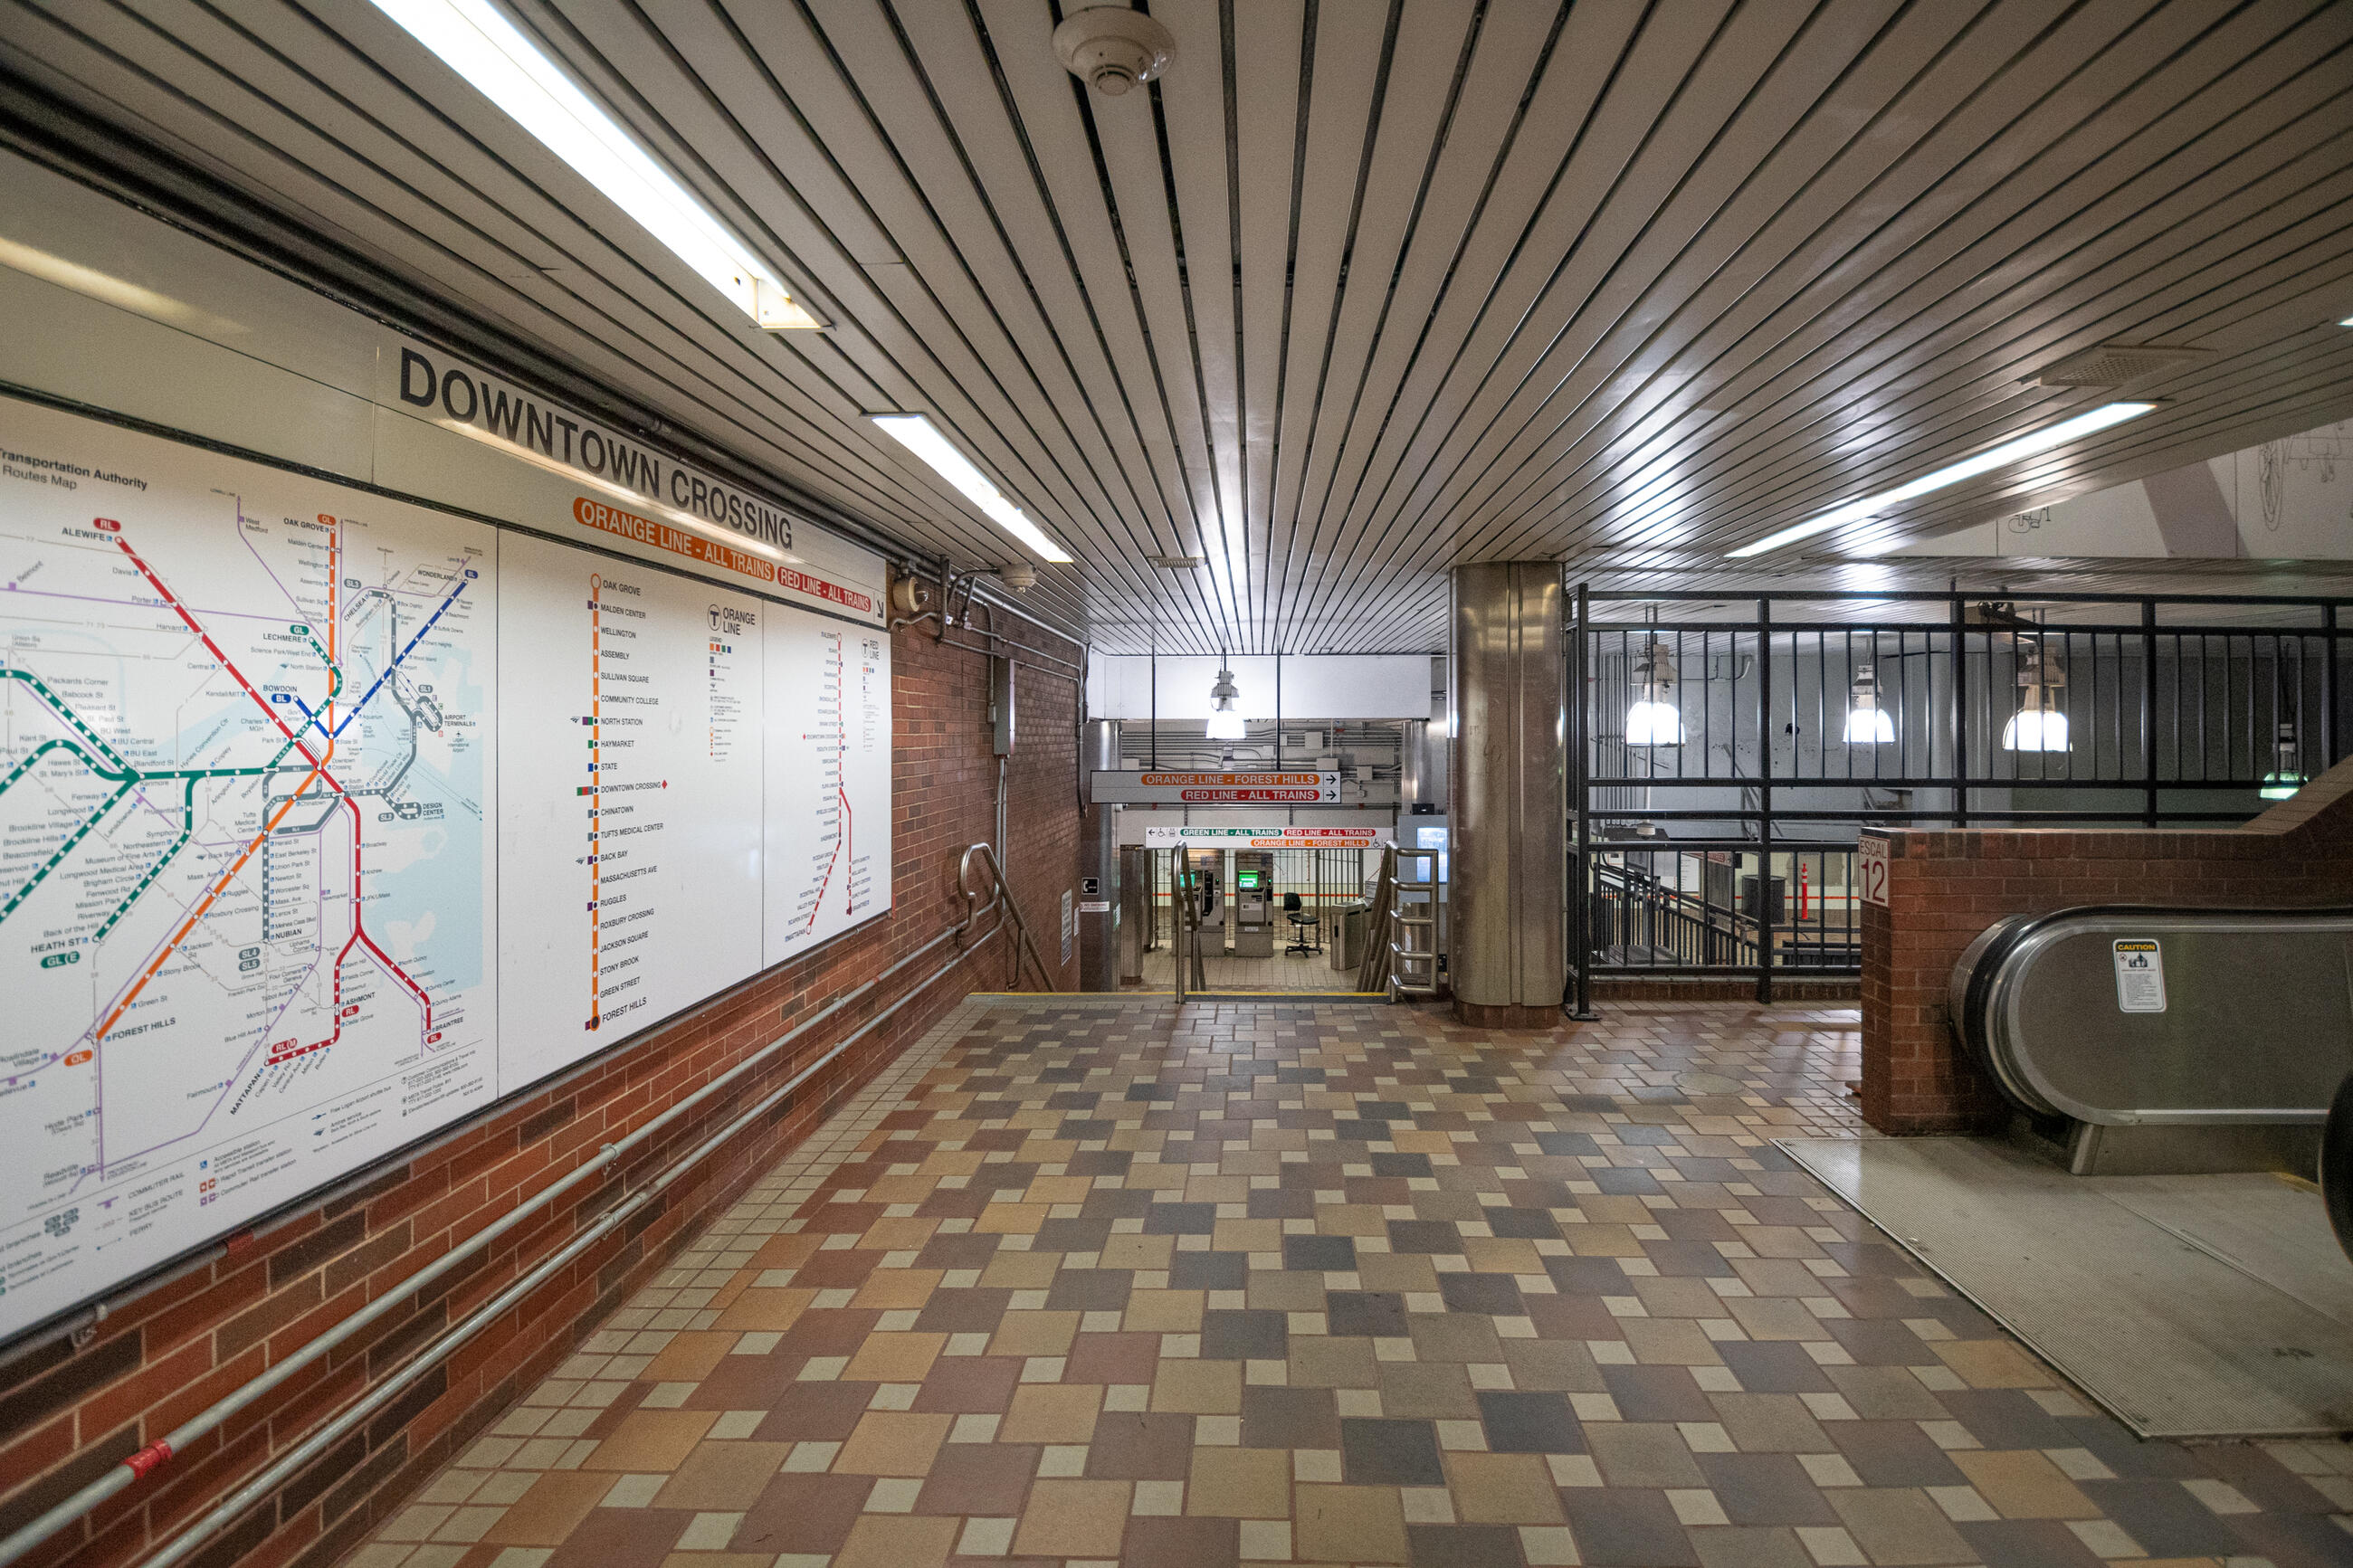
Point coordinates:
[(717, 553)]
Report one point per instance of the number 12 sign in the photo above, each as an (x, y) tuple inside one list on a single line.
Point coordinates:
[(1871, 867)]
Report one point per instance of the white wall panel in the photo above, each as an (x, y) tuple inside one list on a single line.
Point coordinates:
[(1313, 687)]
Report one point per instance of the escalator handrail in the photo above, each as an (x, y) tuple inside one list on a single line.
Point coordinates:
[(2336, 1165)]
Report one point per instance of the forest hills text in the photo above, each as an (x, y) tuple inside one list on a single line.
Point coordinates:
[(452, 393)]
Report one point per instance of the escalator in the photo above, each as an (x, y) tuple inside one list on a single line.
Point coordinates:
[(2116, 1015)]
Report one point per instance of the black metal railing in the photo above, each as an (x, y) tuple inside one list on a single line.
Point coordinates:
[(1640, 920), (1728, 751)]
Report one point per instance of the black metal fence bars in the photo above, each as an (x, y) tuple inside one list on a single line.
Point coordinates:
[(1728, 750)]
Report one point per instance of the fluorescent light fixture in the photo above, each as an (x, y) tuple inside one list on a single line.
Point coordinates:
[(1867, 723), (623, 492), (1225, 718), (474, 40), (2032, 444), (919, 435)]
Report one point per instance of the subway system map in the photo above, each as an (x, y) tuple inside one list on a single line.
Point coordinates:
[(243, 846), (327, 819)]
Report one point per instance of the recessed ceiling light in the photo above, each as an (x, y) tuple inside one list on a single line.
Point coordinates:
[(919, 435), (2027, 446), (473, 39), (1178, 563)]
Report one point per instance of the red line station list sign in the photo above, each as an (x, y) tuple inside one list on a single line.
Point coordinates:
[(1132, 787)]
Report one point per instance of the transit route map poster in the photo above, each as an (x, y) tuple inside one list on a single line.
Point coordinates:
[(327, 820)]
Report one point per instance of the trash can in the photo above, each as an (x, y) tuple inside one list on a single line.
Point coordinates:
[(1344, 937), (1770, 908)]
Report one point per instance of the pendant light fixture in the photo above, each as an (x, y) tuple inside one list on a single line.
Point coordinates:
[(1653, 719), (2038, 725), (1867, 723), (1225, 718), (2286, 776)]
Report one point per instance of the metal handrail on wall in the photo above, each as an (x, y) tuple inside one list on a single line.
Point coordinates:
[(1004, 889), (2163, 709), (1192, 976), (1373, 970), (158, 1454)]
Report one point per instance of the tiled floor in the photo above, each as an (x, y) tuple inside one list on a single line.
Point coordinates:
[(1093, 1280)]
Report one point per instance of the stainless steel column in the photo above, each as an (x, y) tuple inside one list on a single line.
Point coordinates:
[(1421, 756), (1134, 928), (1506, 949), (1099, 906), (1413, 765)]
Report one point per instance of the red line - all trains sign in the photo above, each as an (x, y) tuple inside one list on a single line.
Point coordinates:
[(1265, 788)]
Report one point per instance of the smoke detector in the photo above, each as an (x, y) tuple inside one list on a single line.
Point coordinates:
[(1017, 575), (1112, 48), (2113, 365)]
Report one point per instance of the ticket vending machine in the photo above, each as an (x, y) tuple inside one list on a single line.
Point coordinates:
[(1254, 906)]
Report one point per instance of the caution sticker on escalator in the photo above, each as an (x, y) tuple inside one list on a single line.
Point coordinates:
[(2140, 974)]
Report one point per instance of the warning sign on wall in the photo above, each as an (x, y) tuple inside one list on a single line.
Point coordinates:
[(2140, 974)]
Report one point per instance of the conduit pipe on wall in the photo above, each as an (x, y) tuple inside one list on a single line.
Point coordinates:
[(1075, 670), (156, 1455)]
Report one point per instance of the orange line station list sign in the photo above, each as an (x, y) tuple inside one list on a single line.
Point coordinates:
[(717, 552)]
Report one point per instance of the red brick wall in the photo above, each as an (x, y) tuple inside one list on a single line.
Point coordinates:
[(1944, 888), (67, 1416)]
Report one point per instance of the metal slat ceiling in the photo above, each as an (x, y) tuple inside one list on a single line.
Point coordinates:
[(1356, 291)]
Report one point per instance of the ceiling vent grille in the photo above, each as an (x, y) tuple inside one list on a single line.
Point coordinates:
[(2113, 365)]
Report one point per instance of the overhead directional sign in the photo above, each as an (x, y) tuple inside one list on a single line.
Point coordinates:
[(1274, 836), (1267, 787)]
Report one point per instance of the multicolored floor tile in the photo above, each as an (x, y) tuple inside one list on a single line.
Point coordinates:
[(1097, 1281)]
